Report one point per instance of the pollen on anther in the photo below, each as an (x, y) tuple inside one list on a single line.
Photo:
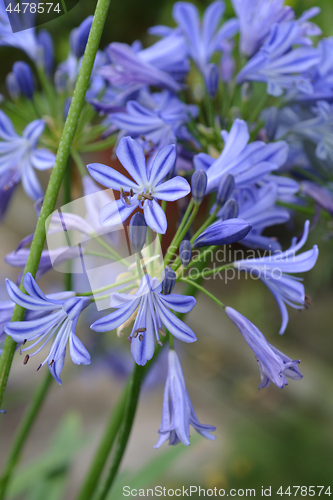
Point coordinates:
[(26, 359)]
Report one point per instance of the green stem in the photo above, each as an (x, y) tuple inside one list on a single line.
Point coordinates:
[(202, 289), (56, 175), (112, 251), (182, 233), (23, 432), (102, 453), (260, 106), (172, 248), (125, 429), (202, 256), (216, 270)]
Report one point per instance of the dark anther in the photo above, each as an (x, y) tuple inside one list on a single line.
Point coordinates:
[(141, 330), (50, 364), (39, 367), (131, 192), (307, 301), (129, 338), (147, 196), (160, 343), (162, 332), (141, 337), (135, 334), (26, 359), (24, 341)]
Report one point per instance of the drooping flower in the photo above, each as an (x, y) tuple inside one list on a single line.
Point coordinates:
[(19, 156), (178, 412), (280, 65), (155, 120), (144, 190), (248, 163), (274, 366), (152, 314), (59, 320), (274, 271)]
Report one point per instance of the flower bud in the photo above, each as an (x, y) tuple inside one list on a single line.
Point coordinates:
[(79, 37), (185, 252), (198, 184), (47, 51), (24, 78), (137, 232), (225, 189), (169, 280), (67, 105), (230, 210), (211, 76), (223, 233), (12, 86)]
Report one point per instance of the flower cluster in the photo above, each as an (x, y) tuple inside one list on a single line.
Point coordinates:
[(192, 140)]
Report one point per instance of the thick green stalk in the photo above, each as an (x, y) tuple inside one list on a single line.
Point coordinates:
[(23, 432), (202, 289), (57, 175), (103, 451), (125, 429)]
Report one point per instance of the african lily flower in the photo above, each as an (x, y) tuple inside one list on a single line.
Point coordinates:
[(144, 190), (59, 319)]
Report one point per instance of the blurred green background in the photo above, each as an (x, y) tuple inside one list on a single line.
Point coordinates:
[(264, 438)]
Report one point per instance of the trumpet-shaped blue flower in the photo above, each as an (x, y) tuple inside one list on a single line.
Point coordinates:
[(144, 190), (156, 121), (162, 65), (256, 17), (59, 320), (274, 271), (280, 65), (318, 128), (178, 412), (19, 156), (206, 38), (274, 366), (248, 163), (152, 312)]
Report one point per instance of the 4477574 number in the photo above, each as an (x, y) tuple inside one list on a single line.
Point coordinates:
[(305, 491), (34, 8)]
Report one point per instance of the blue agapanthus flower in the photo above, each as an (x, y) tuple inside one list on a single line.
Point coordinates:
[(274, 271), (256, 17), (248, 163), (156, 120), (178, 412), (19, 156), (206, 38), (162, 65), (274, 366), (152, 313), (317, 128), (58, 320), (144, 190), (279, 64), (257, 205)]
